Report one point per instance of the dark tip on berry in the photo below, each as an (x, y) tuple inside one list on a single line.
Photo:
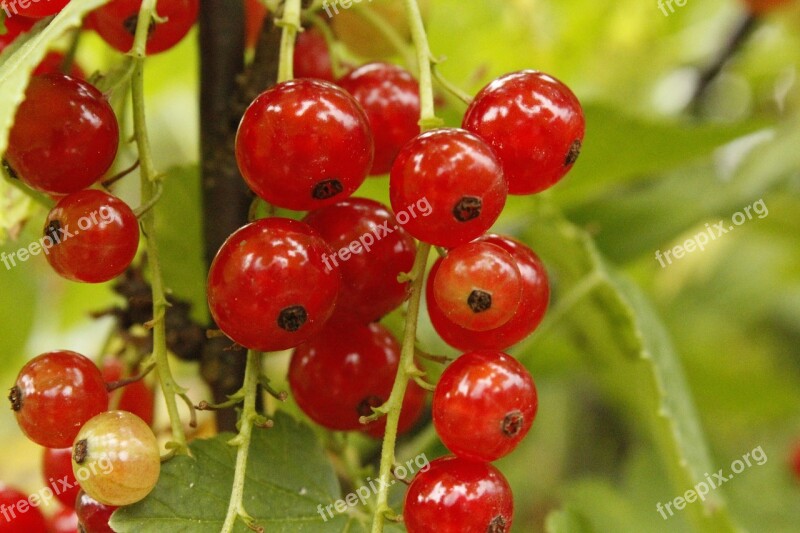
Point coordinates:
[(52, 230), (573, 153), (479, 301), (15, 397), (292, 318), (365, 407), (326, 189), (497, 525), (467, 208), (80, 451), (131, 22), (512, 423), (10, 170)]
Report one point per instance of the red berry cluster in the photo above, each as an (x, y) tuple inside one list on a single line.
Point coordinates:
[(94, 459)]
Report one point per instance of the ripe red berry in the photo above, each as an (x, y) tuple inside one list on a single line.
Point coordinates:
[(371, 250), (457, 176), (136, 397), (340, 374), (535, 125), (64, 521), (311, 56), (35, 10), (15, 520), (57, 472), (93, 236), (484, 405), (15, 26), (54, 61), (65, 135), (390, 97), (116, 23), (458, 496), (55, 394), (531, 309), (269, 287), (93, 515), (304, 144), (478, 286)]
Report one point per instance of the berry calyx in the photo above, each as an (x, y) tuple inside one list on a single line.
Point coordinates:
[(457, 177), (484, 405), (459, 496), (57, 472), (55, 394), (478, 286), (371, 250), (90, 236), (116, 23), (116, 458), (535, 125), (271, 285), (304, 144), (93, 516), (390, 97), (65, 135)]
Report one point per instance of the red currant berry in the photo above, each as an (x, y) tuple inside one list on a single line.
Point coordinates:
[(92, 236), (371, 250), (15, 26), (16, 520), (535, 125), (116, 458), (311, 56), (116, 23), (390, 97), (35, 10), (254, 14), (531, 309), (342, 373), (484, 405), (55, 394), (457, 177), (53, 63), (57, 471), (478, 286), (304, 144), (136, 397), (65, 135), (93, 515), (269, 287), (64, 521), (458, 496)]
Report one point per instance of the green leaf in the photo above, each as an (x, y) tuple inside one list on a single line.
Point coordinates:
[(288, 481), (19, 60)]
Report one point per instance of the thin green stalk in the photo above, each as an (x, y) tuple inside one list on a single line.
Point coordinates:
[(149, 190), (428, 118), (291, 25), (242, 440)]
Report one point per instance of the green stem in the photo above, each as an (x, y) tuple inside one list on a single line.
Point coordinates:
[(242, 440), (291, 25), (149, 189), (405, 369), (428, 118)]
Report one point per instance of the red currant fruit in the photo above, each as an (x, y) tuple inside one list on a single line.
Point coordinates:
[(15, 26), (254, 14), (116, 23), (270, 286), (32, 9), (340, 374), (53, 63), (390, 97), (311, 56), (534, 124), (531, 309), (93, 236), (136, 397), (373, 251), (116, 459), (65, 135), (19, 516), (458, 496), (304, 144), (64, 521), (93, 515), (57, 471), (478, 286), (55, 393), (458, 178), (484, 405)]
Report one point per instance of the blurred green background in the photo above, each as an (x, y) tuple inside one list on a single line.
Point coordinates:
[(616, 431)]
